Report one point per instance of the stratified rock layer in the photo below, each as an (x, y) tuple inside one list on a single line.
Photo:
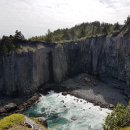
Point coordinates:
[(104, 57)]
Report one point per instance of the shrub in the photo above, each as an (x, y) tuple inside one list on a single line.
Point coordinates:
[(119, 118), (10, 121), (11, 43)]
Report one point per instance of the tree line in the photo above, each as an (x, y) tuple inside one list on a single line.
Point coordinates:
[(10, 43), (84, 30), (79, 31)]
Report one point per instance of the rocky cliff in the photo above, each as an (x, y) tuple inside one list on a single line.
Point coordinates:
[(100, 56), (23, 73)]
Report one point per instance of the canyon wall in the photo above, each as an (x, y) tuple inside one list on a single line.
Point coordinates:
[(23, 73), (100, 56), (103, 57)]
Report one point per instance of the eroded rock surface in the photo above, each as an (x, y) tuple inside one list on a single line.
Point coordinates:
[(104, 57)]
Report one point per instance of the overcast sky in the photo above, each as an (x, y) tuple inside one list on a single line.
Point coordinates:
[(34, 17)]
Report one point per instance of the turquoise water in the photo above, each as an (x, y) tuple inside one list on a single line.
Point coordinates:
[(68, 112)]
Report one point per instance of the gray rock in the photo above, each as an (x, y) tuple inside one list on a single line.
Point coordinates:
[(73, 118), (2, 110), (42, 121), (105, 57), (111, 106), (10, 106)]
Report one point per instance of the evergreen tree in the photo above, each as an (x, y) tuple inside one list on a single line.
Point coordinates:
[(116, 26), (49, 36)]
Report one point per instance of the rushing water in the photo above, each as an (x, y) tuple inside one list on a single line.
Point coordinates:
[(68, 112)]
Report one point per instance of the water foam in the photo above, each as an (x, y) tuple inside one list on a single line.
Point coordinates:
[(69, 113)]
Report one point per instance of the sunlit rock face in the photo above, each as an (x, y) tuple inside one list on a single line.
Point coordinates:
[(100, 56)]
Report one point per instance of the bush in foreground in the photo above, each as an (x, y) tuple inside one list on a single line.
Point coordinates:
[(10, 121), (118, 119)]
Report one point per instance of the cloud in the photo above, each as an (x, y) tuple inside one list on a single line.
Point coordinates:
[(116, 3), (109, 3), (34, 17)]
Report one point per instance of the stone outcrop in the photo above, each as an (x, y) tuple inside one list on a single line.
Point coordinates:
[(108, 57)]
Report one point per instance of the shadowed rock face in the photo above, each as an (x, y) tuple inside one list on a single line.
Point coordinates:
[(23, 73), (104, 57), (101, 56)]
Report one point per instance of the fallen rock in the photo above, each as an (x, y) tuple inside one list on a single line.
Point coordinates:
[(64, 106), (10, 107), (73, 118), (42, 121), (62, 101), (87, 79), (2, 110), (111, 106), (64, 93)]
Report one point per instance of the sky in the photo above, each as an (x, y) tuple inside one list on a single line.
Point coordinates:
[(35, 17)]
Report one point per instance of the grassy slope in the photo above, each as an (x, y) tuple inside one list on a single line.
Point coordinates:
[(128, 128), (10, 121), (16, 122)]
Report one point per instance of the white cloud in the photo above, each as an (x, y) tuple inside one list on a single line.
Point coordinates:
[(34, 17)]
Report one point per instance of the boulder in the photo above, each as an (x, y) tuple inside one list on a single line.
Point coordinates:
[(10, 107), (64, 93), (111, 106), (42, 121), (87, 79), (73, 118), (2, 110)]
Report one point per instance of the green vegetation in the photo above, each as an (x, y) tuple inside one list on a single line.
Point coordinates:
[(127, 128), (8, 44), (119, 119), (10, 121), (83, 30), (11, 43)]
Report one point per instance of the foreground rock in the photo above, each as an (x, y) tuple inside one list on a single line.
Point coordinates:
[(14, 108), (10, 107), (33, 125), (42, 120)]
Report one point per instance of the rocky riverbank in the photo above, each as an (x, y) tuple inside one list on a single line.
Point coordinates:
[(12, 106), (84, 86), (87, 87), (106, 94)]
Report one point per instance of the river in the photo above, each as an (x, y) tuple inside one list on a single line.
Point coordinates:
[(68, 112)]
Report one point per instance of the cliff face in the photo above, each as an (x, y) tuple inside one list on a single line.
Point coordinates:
[(101, 56), (23, 73), (107, 57)]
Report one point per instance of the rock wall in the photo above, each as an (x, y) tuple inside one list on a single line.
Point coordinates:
[(23, 73), (99, 56)]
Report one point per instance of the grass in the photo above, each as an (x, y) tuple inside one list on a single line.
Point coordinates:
[(10, 121), (19, 127), (127, 128), (25, 49)]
